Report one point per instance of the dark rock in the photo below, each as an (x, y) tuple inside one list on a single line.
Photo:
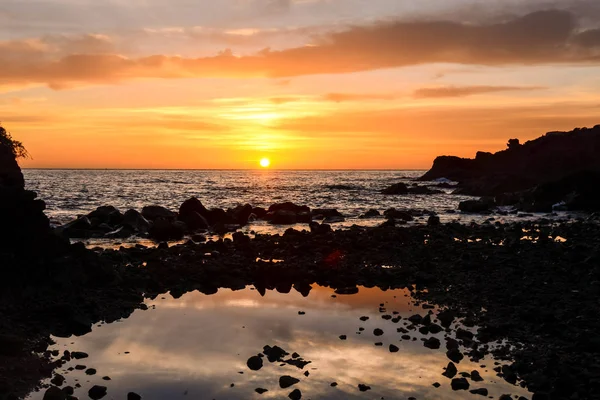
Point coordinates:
[(152, 213), (68, 390), (295, 394), (97, 392), (286, 381), (363, 387), (398, 188), (333, 384), (164, 229), (394, 348), (451, 371), (241, 214), (392, 213), (446, 317), (260, 390), (476, 376), (343, 337), (433, 220), (274, 353), (133, 396), (321, 213), (454, 355), (476, 206), (90, 371), (58, 380), (78, 355), (194, 221), (370, 214), (54, 393), (432, 343), (481, 391), (136, 221), (377, 332), (460, 384), (283, 217), (423, 190), (436, 385)]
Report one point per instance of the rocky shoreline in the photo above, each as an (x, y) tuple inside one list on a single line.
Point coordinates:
[(514, 272)]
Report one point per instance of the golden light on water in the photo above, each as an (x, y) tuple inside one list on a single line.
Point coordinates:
[(265, 162)]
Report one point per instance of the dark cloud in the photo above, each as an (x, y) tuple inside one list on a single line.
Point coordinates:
[(464, 91)]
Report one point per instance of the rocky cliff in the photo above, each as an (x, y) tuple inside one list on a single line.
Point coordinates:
[(552, 157)]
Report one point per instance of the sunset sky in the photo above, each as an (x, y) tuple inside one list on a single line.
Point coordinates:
[(305, 83)]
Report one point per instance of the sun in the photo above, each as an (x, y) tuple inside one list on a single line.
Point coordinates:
[(265, 162)]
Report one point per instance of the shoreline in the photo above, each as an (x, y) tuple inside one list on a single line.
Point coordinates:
[(492, 268)]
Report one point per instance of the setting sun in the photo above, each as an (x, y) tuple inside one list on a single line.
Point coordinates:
[(265, 162)]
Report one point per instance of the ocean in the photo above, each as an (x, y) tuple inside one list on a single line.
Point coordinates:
[(70, 193)]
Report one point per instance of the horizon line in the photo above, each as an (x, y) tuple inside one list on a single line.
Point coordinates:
[(226, 169)]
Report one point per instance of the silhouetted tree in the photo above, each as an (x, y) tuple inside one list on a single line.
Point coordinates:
[(513, 144), (14, 146)]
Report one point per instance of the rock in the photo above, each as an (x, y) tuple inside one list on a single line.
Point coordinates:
[(363, 387), (68, 390), (333, 220), (107, 214), (347, 290), (333, 384), (133, 396), (90, 371), (451, 371), (377, 332), (241, 214), (321, 213), (392, 213), (192, 205), (165, 229), (274, 353), (432, 343), (136, 221), (398, 188), (343, 337), (283, 217), (152, 213), (476, 206), (436, 385), (295, 394), (97, 392), (286, 381), (370, 214), (481, 391), (454, 355), (416, 319), (58, 380), (260, 390), (460, 384), (446, 317), (198, 238), (194, 221), (291, 207), (319, 229), (462, 334), (433, 220), (423, 190), (255, 363), (394, 348), (54, 393), (475, 376), (78, 355)]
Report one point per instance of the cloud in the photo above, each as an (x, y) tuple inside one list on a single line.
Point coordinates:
[(464, 91), (544, 37), (342, 97)]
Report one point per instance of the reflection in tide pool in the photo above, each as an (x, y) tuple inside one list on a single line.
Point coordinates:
[(196, 347)]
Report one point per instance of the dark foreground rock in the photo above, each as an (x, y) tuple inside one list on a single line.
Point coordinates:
[(539, 293)]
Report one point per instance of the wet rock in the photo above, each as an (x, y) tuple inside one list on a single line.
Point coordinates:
[(90, 371), (343, 337), (446, 317), (363, 387), (136, 221), (394, 348), (392, 213), (433, 220), (106, 378), (194, 221), (295, 394), (481, 391), (58, 380), (68, 390), (333, 220), (462, 334), (260, 390), (255, 363), (451, 371), (152, 213), (54, 393), (475, 376), (286, 381), (364, 318), (370, 214), (97, 392), (454, 355), (476, 206), (436, 385), (323, 213), (460, 384), (274, 353), (432, 343), (133, 396), (416, 319), (164, 229), (78, 355), (283, 217), (377, 332), (333, 384), (395, 189)]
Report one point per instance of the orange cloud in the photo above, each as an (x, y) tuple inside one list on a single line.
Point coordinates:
[(543, 37), (463, 91)]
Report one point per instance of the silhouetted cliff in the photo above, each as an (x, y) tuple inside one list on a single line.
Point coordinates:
[(552, 157)]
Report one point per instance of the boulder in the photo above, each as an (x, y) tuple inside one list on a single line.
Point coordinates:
[(107, 214), (392, 213), (152, 213), (477, 206), (240, 214), (164, 229), (97, 392), (259, 212), (54, 393), (321, 213), (398, 188), (370, 214), (193, 220), (192, 205), (136, 221), (333, 220), (288, 206), (282, 217)]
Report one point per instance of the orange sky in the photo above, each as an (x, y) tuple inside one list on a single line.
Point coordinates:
[(306, 83)]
